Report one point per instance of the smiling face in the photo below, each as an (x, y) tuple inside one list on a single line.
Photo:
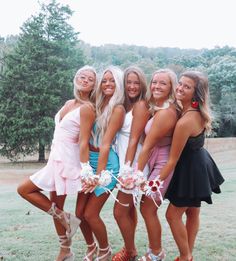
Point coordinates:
[(132, 85), (160, 87), (85, 81), (185, 89), (108, 84)]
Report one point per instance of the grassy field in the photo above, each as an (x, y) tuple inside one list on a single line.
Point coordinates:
[(27, 234)]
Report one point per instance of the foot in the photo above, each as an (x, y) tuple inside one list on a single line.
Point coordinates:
[(92, 250), (65, 256), (179, 259), (69, 221), (124, 255), (65, 253), (104, 254), (151, 257)]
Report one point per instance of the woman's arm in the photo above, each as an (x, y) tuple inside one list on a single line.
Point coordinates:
[(163, 123), (140, 118), (87, 117), (181, 134), (115, 123)]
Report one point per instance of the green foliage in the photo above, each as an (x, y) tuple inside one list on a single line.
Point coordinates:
[(222, 78), (37, 80)]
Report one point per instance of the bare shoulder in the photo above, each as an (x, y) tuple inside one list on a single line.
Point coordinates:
[(169, 113), (87, 110), (140, 106), (185, 124), (119, 109), (69, 102)]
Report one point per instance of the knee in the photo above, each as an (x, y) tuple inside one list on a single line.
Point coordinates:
[(90, 216), (80, 214), (21, 190), (169, 217), (144, 211), (118, 213)]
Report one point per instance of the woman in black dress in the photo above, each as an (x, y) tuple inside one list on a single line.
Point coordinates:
[(196, 175)]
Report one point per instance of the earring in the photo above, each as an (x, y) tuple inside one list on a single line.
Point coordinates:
[(194, 104)]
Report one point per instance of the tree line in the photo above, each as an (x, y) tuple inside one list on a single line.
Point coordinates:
[(37, 67)]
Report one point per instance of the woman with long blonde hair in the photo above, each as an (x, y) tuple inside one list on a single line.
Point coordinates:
[(110, 114), (69, 150)]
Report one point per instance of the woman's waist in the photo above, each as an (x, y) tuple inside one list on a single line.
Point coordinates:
[(93, 148), (66, 137)]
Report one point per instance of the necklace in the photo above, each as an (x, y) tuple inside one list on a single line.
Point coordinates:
[(165, 105)]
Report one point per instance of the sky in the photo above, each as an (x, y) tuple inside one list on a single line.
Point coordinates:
[(153, 23)]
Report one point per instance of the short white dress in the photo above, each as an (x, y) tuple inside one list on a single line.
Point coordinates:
[(62, 172), (122, 145)]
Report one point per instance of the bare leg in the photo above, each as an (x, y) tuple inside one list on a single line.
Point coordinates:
[(81, 203), (126, 218), (192, 225), (33, 194), (149, 213), (60, 201), (92, 216), (174, 217)]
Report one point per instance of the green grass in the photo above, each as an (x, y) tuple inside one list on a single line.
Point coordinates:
[(27, 234)]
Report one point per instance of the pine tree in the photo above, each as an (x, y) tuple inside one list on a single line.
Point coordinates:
[(37, 80)]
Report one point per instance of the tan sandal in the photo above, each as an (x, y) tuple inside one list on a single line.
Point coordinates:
[(65, 218), (66, 243)]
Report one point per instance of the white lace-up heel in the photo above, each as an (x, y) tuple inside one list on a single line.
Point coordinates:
[(65, 218), (91, 253), (107, 255)]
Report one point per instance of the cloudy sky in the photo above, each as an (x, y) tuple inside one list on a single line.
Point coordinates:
[(152, 23)]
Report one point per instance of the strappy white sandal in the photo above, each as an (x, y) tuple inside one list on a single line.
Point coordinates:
[(107, 255), (72, 221), (160, 257), (90, 254), (66, 243)]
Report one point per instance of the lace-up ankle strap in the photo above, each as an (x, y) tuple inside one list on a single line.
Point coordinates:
[(160, 257), (64, 241), (53, 213), (107, 254)]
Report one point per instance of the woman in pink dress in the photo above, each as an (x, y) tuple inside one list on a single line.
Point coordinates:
[(155, 151), (61, 175)]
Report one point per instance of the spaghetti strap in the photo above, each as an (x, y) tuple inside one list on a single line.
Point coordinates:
[(188, 111)]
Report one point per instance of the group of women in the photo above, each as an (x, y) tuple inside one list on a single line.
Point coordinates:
[(146, 140)]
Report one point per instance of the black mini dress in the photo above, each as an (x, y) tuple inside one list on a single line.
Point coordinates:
[(195, 177)]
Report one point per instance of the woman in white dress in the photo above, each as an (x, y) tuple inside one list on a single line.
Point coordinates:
[(128, 146)]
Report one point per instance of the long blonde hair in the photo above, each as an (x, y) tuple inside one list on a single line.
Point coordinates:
[(104, 113), (201, 95), (77, 93), (173, 79)]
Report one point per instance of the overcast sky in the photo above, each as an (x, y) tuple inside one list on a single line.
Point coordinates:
[(152, 23)]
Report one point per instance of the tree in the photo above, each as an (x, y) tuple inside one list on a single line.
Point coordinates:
[(36, 81), (222, 78)]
